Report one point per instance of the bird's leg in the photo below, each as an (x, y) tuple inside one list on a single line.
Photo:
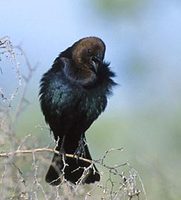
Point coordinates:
[(60, 144), (80, 151)]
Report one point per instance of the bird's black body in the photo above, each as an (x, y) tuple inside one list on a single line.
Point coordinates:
[(73, 93)]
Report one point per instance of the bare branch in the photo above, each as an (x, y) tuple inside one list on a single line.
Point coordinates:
[(7, 49), (39, 150)]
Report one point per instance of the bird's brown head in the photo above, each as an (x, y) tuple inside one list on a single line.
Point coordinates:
[(84, 61), (88, 53)]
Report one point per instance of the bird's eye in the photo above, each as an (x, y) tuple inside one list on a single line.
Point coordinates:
[(89, 51)]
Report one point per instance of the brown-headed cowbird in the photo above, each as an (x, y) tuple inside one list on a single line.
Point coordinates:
[(73, 93)]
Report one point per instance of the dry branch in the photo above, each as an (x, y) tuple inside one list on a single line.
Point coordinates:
[(38, 150)]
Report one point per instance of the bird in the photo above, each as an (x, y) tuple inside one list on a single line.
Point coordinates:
[(73, 93)]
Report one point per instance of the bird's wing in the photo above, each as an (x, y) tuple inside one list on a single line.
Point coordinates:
[(56, 93)]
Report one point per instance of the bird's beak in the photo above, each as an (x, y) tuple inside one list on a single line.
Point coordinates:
[(95, 62)]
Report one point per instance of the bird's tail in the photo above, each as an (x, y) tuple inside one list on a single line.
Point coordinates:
[(72, 168)]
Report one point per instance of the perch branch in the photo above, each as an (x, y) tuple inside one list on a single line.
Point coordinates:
[(38, 150)]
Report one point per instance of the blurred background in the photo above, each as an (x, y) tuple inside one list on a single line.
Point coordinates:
[(143, 40)]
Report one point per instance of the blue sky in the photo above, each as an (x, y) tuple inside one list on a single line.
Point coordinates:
[(150, 35)]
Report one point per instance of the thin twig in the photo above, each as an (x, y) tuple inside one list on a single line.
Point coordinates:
[(38, 150)]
